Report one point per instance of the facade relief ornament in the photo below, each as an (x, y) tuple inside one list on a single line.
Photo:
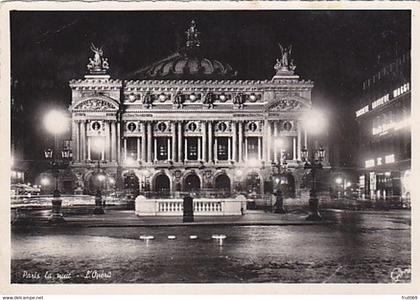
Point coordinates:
[(95, 104), (98, 65), (285, 65)]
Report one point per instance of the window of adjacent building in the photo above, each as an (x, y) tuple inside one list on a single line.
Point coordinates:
[(162, 148), (222, 148), (192, 148)]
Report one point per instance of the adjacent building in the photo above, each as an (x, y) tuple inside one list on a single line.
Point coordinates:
[(187, 123), (385, 133)]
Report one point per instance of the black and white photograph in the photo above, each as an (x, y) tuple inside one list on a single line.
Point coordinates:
[(210, 146)]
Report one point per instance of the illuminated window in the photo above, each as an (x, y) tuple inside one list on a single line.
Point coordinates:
[(162, 148), (379, 161), (222, 148)]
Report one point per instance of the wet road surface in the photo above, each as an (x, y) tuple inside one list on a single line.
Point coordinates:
[(360, 247)]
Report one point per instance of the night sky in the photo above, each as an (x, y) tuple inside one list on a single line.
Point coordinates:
[(335, 49)]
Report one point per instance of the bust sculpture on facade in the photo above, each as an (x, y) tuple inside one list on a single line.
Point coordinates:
[(97, 65), (238, 100), (285, 64), (147, 99), (178, 99), (208, 99)]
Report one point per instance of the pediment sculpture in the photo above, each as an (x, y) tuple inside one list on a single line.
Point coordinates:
[(286, 104), (95, 104)]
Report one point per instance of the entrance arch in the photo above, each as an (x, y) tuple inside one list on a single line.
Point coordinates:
[(253, 183), (192, 183), (288, 186), (131, 183), (222, 183), (162, 184)]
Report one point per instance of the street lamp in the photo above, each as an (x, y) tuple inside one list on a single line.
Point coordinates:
[(99, 204), (313, 164), (279, 170), (55, 122)]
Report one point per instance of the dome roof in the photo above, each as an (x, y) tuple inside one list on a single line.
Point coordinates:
[(188, 67), (188, 63)]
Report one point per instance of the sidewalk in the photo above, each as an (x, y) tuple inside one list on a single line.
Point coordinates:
[(127, 218)]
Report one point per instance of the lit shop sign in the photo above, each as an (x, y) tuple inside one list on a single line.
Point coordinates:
[(380, 101), (369, 163), (384, 128), (389, 159), (401, 90), (384, 99), (362, 111)]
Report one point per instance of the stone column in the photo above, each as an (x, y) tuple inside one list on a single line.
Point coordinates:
[(143, 141), (229, 149), (118, 141), (299, 141), (294, 148), (269, 142), (103, 149), (138, 148), (264, 142), (83, 140), (216, 158), (306, 139), (240, 144), (246, 148), (107, 146), (88, 148), (149, 142), (259, 148), (275, 142), (180, 142), (185, 149), (199, 143), (155, 149), (234, 142), (210, 146), (204, 141), (125, 149), (173, 148), (113, 141), (169, 157), (76, 140)]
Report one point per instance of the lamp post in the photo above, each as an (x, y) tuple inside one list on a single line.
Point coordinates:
[(55, 122), (313, 164), (279, 169), (99, 204)]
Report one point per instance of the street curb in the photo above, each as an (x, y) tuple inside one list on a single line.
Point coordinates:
[(69, 224)]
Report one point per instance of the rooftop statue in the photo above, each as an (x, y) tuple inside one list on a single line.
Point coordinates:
[(98, 64), (285, 64)]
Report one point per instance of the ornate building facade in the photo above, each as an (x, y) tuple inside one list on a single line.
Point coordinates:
[(188, 124)]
